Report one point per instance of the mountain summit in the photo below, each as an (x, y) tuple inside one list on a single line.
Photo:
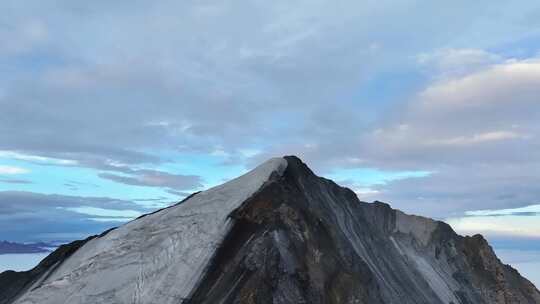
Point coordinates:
[(278, 234)]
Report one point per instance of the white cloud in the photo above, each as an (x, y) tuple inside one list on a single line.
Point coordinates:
[(366, 194), (106, 213), (511, 211), (35, 158), (503, 225), (249, 152), (513, 82), (302, 78), (12, 170), (478, 138), (496, 105), (456, 62), (478, 132)]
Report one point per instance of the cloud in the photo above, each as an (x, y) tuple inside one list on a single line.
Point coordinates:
[(509, 225), (10, 170), (35, 158), (107, 84), (151, 83), (17, 201), (152, 178), (528, 210), (60, 217), (476, 132), (456, 189), (445, 63), (106, 213), (494, 106), (15, 181), (178, 193), (478, 138), (496, 85)]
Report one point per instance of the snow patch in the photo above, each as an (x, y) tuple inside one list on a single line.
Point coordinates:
[(155, 259)]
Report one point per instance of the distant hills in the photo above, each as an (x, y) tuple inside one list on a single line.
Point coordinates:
[(11, 247)]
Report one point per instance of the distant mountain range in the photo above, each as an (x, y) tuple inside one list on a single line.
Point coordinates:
[(11, 247)]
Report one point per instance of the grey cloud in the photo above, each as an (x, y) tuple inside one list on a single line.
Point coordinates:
[(455, 190), (122, 83), (75, 183), (520, 214), (26, 216), (152, 82), (179, 193), (447, 63), (14, 181), (159, 199), (12, 202), (477, 133), (152, 178)]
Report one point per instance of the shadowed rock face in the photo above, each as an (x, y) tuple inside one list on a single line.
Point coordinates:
[(283, 248), (303, 239)]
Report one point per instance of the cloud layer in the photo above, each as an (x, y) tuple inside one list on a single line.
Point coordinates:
[(130, 89), (26, 216)]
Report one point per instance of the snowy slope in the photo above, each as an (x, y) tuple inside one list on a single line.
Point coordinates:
[(155, 259)]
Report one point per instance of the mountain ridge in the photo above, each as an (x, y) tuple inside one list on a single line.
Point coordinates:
[(289, 237)]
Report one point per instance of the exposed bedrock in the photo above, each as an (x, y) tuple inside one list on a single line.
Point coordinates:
[(277, 235), (304, 239)]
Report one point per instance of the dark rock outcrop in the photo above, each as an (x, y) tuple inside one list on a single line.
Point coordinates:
[(304, 239)]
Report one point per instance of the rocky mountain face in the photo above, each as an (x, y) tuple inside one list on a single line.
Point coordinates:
[(277, 235)]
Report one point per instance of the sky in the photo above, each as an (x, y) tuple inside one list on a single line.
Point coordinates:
[(109, 110)]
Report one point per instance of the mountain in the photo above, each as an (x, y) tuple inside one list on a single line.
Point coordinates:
[(278, 234), (10, 247)]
